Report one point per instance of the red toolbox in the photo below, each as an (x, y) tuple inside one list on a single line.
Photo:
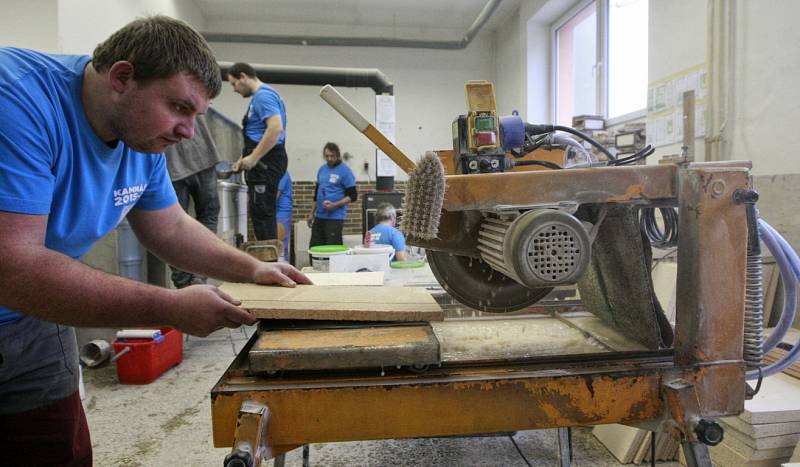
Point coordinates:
[(146, 359)]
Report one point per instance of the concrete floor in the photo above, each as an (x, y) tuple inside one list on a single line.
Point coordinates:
[(168, 423)]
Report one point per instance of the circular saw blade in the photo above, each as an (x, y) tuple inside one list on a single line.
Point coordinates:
[(475, 284)]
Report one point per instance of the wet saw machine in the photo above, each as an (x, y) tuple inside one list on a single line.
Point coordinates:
[(512, 211)]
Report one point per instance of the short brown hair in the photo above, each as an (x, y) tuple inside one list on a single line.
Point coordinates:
[(160, 47), (239, 68)]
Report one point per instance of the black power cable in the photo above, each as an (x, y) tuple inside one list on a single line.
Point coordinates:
[(548, 164), (511, 437), (542, 129), (643, 153), (648, 224)]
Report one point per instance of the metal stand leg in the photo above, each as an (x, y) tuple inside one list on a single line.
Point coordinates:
[(564, 447), (696, 454), (249, 443), (306, 454)]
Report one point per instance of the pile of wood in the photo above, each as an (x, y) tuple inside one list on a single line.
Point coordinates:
[(632, 445)]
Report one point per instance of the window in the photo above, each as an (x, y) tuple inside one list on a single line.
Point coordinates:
[(594, 33)]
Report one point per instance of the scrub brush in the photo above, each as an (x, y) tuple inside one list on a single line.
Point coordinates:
[(422, 207), (424, 198)]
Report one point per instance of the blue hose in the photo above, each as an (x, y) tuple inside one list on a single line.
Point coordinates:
[(789, 266)]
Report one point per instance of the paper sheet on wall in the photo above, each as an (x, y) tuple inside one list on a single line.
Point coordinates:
[(385, 123), (665, 106)]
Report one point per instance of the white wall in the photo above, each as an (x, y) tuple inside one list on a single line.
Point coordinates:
[(82, 24), (428, 85), (766, 94), (677, 40), (30, 24), (509, 63)]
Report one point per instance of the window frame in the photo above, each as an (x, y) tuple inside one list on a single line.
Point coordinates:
[(601, 56)]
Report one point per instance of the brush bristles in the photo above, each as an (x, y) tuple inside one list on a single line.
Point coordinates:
[(422, 207)]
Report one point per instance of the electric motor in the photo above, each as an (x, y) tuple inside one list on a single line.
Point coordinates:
[(538, 248)]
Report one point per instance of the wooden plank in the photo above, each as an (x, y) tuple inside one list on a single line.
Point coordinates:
[(356, 303), (346, 278), (776, 354)]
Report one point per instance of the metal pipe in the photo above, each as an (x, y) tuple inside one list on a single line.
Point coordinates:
[(460, 44), (320, 75), (131, 252)]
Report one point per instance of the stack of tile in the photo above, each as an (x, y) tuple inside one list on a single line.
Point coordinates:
[(768, 430)]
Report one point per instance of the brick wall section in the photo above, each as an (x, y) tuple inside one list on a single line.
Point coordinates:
[(303, 192)]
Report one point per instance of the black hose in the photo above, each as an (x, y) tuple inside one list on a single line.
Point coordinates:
[(530, 128)]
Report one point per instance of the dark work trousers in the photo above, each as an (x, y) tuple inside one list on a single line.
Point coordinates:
[(56, 434), (202, 189), (262, 189), (326, 232)]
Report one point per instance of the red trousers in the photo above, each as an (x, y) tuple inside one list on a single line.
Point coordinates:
[(53, 435)]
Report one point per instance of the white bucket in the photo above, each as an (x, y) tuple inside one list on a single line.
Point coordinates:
[(375, 249), (320, 260)]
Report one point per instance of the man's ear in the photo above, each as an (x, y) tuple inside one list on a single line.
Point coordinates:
[(120, 75)]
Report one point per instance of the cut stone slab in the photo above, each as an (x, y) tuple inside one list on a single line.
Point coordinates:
[(778, 401), (351, 303)]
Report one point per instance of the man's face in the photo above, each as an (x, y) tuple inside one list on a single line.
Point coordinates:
[(330, 157), (150, 117), (240, 85)]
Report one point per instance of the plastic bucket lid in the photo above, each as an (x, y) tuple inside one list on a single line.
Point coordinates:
[(373, 250), (410, 264), (328, 250)]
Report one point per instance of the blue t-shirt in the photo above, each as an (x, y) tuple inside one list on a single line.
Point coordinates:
[(385, 234), (284, 209), (331, 185), (265, 103), (52, 163)]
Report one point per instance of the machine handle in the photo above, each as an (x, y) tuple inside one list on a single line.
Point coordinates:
[(330, 95)]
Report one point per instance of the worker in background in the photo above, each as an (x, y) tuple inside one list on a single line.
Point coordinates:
[(264, 158), (191, 165), (81, 140), (334, 190), (284, 211), (385, 233)]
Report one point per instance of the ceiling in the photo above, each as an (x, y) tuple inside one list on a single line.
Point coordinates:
[(450, 14)]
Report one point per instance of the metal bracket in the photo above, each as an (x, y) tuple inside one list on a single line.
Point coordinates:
[(250, 439)]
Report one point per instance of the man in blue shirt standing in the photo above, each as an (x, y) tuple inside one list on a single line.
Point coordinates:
[(285, 211), (264, 155), (335, 189), (385, 233), (81, 142)]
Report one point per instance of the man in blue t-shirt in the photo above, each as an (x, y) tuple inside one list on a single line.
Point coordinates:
[(334, 190), (80, 149), (264, 155), (385, 233), (284, 212)]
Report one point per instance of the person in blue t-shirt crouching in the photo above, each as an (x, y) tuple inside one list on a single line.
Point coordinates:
[(385, 233), (335, 189), (81, 148)]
